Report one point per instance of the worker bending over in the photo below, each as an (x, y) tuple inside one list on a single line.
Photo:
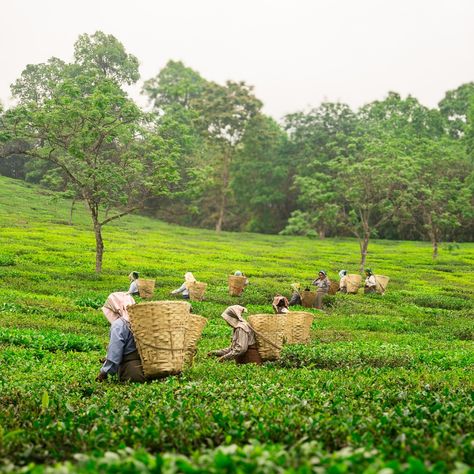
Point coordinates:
[(243, 348), (122, 355)]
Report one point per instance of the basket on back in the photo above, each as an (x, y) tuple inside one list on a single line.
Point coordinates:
[(236, 285), (333, 288), (270, 332), (146, 288), (197, 290), (381, 283), (308, 298), (298, 327), (195, 325), (353, 283), (159, 329)]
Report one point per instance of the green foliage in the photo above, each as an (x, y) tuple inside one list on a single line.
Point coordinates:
[(386, 382), (77, 118)]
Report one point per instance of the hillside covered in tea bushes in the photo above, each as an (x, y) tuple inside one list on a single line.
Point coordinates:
[(386, 385)]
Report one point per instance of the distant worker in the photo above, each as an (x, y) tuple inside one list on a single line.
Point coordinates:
[(323, 284), (280, 304), (184, 288), (370, 282), (343, 281), (237, 285), (133, 290), (238, 273), (243, 348), (295, 296), (122, 355)]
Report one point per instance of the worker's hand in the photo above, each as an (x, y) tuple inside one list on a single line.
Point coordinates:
[(101, 377)]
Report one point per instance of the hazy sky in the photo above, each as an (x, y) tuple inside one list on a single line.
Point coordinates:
[(297, 53)]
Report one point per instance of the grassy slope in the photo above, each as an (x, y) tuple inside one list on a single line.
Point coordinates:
[(392, 373)]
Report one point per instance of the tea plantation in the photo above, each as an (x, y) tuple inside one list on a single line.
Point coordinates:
[(386, 385)]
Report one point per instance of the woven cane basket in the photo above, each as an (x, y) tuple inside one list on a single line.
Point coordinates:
[(195, 325), (236, 285), (308, 298), (270, 332), (146, 288), (298, 327), (159, 329), (381, 283), (197, 290), (333, 288), (353, 283)]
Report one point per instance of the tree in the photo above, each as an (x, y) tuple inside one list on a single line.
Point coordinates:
[(371, 185), (317, 139), (86, 126), (455, 106), (439, 195), (261, 177), (224, 114)]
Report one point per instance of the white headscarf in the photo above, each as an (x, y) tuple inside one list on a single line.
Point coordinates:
[(233, 316), (116, 306), (189, 279)]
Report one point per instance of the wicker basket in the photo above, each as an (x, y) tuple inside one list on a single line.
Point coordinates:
[(270, 332), (236, 284), (381, 283), (146, 288), (333, 288), (298, 327), (195, 325), (160, 330), (353, 283), (308, 298), (197, 290)]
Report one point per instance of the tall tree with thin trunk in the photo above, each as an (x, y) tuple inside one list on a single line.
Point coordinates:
[(84, 123), (224, 115)]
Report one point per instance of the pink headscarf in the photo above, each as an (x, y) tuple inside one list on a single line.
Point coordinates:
[(116, 306)]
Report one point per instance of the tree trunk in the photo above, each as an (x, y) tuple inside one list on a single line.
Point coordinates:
[(225, 184), (364, 245), (433, 234), (435, 248), (220, 219), (72, 210), (322, 234), (99, 247)]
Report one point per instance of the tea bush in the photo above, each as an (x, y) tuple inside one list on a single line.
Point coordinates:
[(386, 384)]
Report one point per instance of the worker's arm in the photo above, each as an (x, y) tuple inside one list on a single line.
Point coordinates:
[(240, 345), (179, 290), (118, 337), (220, 352)]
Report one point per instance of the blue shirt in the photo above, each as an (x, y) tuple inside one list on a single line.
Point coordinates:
[(121, 343)]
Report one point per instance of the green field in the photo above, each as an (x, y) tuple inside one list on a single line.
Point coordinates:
[(386, 385)]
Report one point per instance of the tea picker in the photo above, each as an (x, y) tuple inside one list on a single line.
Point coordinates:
[(280, 304), (122, 355), (323, 284), (184, 288), (243, 348), (133, 290), (370, 282)]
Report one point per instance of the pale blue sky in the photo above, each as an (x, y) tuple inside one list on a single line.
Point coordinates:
[(296, 53)]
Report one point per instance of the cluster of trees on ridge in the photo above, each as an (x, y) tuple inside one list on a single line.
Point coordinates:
[(206, 155)]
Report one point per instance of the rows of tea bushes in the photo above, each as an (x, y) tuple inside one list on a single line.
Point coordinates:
[(386, 384)]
